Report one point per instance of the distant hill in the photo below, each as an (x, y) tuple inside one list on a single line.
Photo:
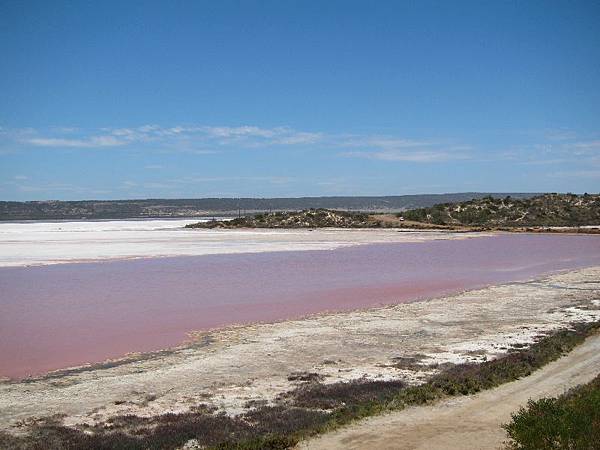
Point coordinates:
[(171, 208), (546, 210)]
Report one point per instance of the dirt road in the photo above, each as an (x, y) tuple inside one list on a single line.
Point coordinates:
[(470, 422)]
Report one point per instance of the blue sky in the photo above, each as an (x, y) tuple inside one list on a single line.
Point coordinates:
[(146, 99)]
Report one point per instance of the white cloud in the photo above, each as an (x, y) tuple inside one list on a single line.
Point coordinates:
[(199, 139), (299, 138), (175, 136), (93, 141), (555, 147), (229, 132), (564, 148), (388, 148), (384, 142), (256, 136), (425, 156), (559, 134), (66, 130), (589, 145)]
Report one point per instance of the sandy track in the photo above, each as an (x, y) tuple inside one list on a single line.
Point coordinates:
[(469, 422)]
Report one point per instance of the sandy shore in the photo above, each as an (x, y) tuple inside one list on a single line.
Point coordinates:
[(229, 368)]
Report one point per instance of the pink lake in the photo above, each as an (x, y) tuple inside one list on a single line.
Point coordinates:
[(59, 316)]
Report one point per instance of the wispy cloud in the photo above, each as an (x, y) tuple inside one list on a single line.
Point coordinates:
[(559, 134), (175, 136), (544, 162), (549, 147), (202, 139), (556, 147), (384, 142), (407, 156), (244, 131), (586, 145), (387, 148), (262, 136), (91, 142), (299, 138)]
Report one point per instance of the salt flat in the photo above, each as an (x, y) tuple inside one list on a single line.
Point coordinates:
[(40, 243)]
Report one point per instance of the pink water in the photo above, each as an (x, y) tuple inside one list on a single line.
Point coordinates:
[(59, 316)]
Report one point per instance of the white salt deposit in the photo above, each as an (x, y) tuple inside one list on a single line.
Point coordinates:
[(38, 243)]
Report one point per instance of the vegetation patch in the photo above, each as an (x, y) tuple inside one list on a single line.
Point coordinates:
[(341, 394), (497, 213), (568, 210), (414, 362), (312, 407), (263, 428), (571, 421), (305, 376), (308, 218)]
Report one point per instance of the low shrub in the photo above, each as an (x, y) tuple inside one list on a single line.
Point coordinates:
[(470, 378), (571, 421), (330, 396)]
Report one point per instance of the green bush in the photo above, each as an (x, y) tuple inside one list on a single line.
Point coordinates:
[(569, 422), (544, 210)]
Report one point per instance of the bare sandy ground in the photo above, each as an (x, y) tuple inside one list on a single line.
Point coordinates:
[(228, 368), (37, 243), (469, 423)]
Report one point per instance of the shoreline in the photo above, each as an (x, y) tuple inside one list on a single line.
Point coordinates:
[(441, 235), (54, 247), (302, 240), (230, 368), (91, 324), (195, 337)]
